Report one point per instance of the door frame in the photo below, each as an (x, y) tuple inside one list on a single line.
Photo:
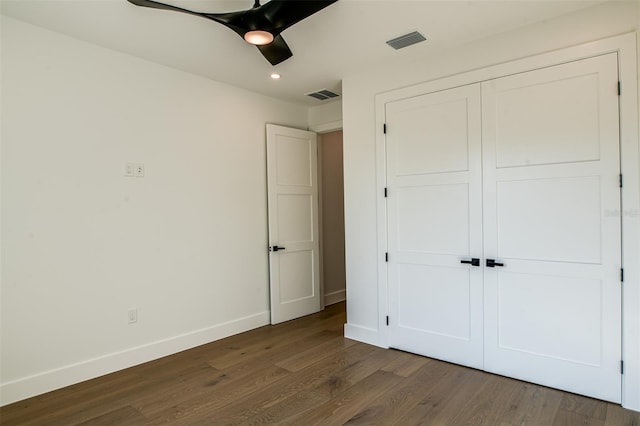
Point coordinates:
[(320, 130), (626, 48)]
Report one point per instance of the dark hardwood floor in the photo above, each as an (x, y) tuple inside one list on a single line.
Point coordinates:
[(302, 373)]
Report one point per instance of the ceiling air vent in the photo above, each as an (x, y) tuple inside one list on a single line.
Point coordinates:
[(406, 40), (323, 94)]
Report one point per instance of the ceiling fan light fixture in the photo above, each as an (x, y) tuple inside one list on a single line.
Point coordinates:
[(258, 37), (261, 25)]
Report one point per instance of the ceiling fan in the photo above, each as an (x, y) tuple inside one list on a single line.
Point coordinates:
[(261, 25)]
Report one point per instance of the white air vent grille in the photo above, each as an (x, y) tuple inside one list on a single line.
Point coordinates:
[(323, 94), (406, 40)]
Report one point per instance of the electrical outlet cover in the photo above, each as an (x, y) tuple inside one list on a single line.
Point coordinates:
[(132, 315), (138, 170)]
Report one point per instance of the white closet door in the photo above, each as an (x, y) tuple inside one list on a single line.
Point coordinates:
[(434, 212), (552, 217)]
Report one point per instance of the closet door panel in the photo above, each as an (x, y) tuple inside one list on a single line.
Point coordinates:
[(532, 322), (568, 108), (429, 293), (552, 219), (424, 217), (442, 124)]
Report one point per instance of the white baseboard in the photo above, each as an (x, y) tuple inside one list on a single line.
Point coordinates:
[(54, 379), (335, 297), (363, 334)]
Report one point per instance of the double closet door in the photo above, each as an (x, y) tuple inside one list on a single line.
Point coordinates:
[(504, 226)]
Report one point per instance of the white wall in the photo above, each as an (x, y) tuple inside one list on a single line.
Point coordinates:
[(326, 117), (81, 244), (360, 89)]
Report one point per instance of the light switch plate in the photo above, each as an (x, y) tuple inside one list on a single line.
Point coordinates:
[(127, 169)]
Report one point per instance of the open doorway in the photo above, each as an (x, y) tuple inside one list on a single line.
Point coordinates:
[(331, 178)]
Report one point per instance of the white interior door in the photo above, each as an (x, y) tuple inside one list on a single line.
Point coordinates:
[(293, 222), (435, 222), (552, 218)]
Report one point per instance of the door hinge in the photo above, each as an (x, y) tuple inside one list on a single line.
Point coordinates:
[(384, 128), (619, 88), (621, 366), (387, 319), (620, 180), (386, 257), (622, 274), (385, 193)]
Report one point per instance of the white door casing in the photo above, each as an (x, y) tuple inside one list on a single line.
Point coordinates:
[(435, 210), (550, 165), (551, 216), (293, 223)]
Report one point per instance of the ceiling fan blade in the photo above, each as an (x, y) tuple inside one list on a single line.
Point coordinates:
[(284, 13), (227, 19), (276, 51), (156, 5)]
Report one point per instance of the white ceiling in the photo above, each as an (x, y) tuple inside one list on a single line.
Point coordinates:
[(347, 36)]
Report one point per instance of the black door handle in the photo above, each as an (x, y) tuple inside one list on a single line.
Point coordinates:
[(276, 248), (492, 263), (474, 261)]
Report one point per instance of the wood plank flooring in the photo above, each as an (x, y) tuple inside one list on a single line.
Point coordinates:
[(305, 373)]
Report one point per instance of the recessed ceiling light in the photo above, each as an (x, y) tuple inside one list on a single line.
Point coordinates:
[(275, 76)]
